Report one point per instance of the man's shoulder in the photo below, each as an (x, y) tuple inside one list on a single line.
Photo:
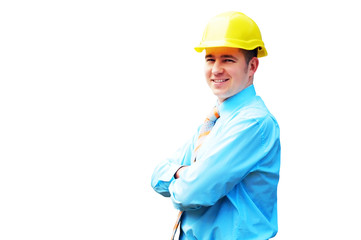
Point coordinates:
[(255, 112), (255, 109)]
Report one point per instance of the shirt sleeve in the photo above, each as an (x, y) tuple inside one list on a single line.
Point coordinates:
[(241, 147), (163, 174)]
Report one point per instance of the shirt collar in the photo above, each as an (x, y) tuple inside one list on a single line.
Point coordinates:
[(237, 101)]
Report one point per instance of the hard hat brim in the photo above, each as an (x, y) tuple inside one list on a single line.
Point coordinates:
[(262, 52)]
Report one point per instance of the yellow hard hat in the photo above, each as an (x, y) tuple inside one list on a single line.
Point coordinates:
[(232, 29)]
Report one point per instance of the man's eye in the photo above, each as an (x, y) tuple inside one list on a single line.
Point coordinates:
[(209, 60), (229, 60)]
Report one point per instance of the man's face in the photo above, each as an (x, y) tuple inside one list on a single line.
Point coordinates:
[(227, 72)]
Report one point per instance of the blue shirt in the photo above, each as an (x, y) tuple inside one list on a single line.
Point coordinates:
[(230, 192)]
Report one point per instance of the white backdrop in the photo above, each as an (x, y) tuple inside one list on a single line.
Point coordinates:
[(93, 94)]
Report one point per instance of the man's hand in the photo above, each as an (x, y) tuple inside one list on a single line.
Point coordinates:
[(180, 171)]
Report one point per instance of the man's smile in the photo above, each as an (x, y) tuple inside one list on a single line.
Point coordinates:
[(220, 80)]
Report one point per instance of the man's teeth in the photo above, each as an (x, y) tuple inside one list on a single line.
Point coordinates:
[(219, 80)]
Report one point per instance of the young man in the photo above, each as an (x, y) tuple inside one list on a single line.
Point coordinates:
[(224, 181)]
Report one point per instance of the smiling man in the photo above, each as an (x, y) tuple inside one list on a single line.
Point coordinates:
[(224, 180), (228, 71)]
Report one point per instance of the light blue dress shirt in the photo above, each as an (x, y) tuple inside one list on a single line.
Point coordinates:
[(230, 192)]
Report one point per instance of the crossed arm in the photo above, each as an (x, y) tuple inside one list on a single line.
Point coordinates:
[(226, 161)]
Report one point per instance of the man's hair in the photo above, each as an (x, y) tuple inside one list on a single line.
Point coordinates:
[(249, 54)]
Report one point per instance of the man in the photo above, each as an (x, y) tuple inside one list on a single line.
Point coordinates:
[(226, 186)]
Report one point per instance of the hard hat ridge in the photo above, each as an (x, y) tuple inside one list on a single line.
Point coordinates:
[(232, 29)]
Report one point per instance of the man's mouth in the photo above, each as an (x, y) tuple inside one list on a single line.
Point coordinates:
[(219, 80)]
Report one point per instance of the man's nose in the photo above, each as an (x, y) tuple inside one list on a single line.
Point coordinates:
[(217, 68)]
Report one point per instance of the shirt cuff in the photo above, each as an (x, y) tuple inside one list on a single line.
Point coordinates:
[(169, 175)]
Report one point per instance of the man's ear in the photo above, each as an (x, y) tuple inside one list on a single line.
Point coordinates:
[(253, 66)]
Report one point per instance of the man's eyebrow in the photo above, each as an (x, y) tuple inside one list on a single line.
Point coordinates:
[(223, 56)]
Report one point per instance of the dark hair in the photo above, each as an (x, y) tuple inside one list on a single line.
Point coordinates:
[(249, 54)]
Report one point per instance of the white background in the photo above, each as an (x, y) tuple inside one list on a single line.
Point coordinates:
[(93, 94)]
